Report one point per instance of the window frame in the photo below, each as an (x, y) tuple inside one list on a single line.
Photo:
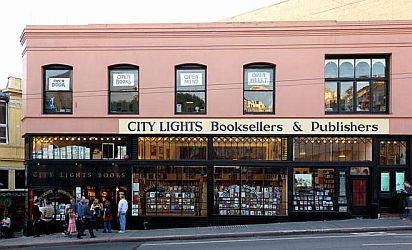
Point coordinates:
[(5, 125), (263, 65), (125, 67), (355, 80), (191, 66), (45, 68)]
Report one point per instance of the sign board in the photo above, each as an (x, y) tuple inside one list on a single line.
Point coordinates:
[(255, 126), (258, 78), (191, 79), (59, 84), (123, 80)]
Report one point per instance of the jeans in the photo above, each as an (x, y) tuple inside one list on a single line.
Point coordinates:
[(107, 226), (122, 221), (409, 204)]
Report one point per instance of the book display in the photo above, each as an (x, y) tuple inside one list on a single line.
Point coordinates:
[(258, 200), (169, 200), (314, 191)]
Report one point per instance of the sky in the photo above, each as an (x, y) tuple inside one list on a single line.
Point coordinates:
[(15, 15)]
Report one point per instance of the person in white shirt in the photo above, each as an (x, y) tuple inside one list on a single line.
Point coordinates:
[(5, 226), (121, 213)]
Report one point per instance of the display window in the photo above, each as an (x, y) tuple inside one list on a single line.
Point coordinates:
[(58, 89), (392, 152), (190, 89), (254, 191), (172, 148), (332, 149), (58, 197), (169, 191), (124, 89), (78, 147), (250, 148), (314, 189)]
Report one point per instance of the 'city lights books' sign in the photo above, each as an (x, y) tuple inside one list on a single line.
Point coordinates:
[(123, 80), (255, 126), (59, 84)]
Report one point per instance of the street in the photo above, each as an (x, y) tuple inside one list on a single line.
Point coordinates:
[(372, 240)]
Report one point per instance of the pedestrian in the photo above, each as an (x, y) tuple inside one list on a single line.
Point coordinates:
[(87, 220), (107, 217), (5, 227), (36, 218), (408, 192), (48, 215), (97, 213), (79, 209), (69, 207), (71, 228), (121, 213)]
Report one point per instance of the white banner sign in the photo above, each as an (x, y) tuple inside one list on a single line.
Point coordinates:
[(255, 126), (59, 84), (123, 80), (258, 78), (191, 79)]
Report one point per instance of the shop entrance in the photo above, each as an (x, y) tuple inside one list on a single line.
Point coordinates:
[(111, 194), (360, 195)]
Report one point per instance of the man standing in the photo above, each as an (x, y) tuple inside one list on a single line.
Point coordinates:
[(87, 220), (48, 215), (408, 192), (121, 213)]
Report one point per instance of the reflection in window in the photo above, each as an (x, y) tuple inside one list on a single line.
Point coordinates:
[(365, 93), (251, 191), (332, 149), (314, 189), (172, 148), (169, 191), (346, 69), (78, 147), (58, 95), (258, 86), (363, 68), (331, 97), (190, 89), (346, 93), (20, 179), (331, 68), (362, 95), (250, 148), (392, 152), (3, 121), (124, 95)]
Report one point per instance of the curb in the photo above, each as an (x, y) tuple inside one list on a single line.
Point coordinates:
[(210, 236)]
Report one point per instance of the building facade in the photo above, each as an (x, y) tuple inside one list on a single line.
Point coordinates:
[(220, 123), (12, 169)]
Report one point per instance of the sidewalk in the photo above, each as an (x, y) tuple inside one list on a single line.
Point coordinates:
[(275, 229)]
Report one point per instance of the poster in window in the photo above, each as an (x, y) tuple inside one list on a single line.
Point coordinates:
[(191, 79), (303, 180), (400, 178), (59, 84), (385, 182), (258, 78), (123, 80), (359, 171)]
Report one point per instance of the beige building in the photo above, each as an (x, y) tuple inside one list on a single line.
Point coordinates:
[(338, 10), (12, 170)]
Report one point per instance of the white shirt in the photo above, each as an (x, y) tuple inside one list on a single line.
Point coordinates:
[(122, 206), (6, 222)]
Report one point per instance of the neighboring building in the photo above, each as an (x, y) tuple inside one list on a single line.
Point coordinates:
[(12, 170), (158, 112), (342, 10)]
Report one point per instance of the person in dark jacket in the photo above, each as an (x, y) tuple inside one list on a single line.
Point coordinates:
[(36, 218), (87, 220), (408, 192)]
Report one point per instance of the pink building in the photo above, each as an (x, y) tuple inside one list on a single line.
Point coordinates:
[(220, 123)]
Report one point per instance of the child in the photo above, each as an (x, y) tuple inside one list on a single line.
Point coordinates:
[(72, 223)]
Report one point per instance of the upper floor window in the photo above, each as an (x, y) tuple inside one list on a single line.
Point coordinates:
[(258, 89), (190, 89), (4, 179), (3, 122), (58, 93), (356, 85), (124, 89)]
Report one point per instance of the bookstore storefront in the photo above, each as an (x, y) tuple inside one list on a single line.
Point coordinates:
[(213, 179)]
